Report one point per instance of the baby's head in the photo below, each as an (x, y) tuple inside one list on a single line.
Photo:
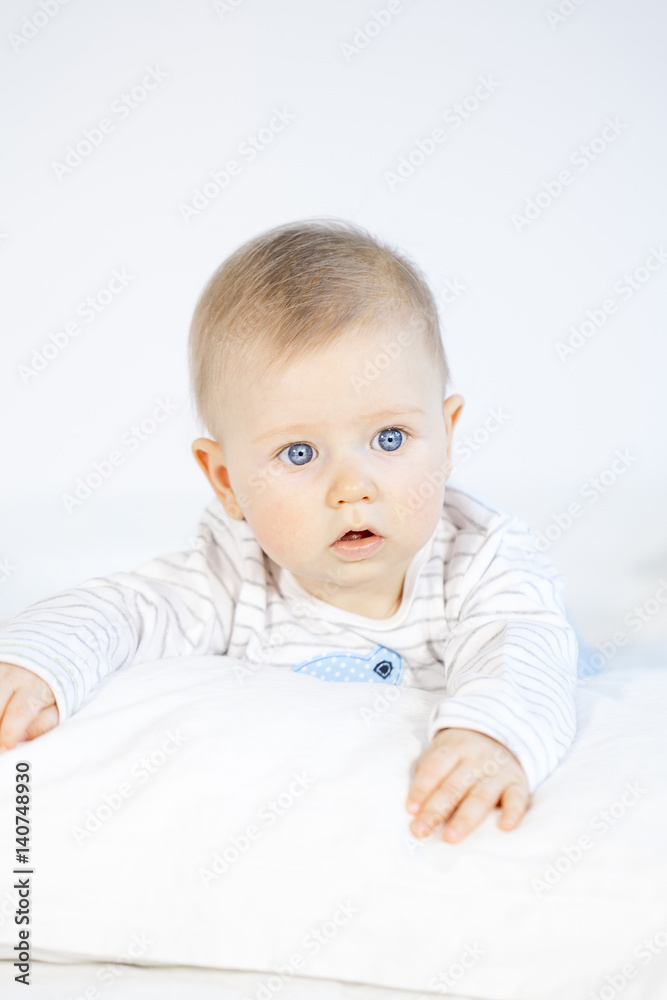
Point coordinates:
[(317, 365)]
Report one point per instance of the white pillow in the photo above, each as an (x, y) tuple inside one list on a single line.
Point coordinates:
[(167, 776)]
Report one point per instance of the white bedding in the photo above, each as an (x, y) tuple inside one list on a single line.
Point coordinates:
[(178, 757), (132, 982)]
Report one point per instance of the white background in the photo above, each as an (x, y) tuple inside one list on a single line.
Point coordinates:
[(355, 115)]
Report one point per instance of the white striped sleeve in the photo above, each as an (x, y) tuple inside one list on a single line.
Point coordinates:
[(511, 655), (173, 605)]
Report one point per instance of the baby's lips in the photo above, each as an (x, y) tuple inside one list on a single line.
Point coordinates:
[(358, 531)]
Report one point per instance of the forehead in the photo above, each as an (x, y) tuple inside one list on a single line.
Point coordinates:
[(389, 349), (362, 376)]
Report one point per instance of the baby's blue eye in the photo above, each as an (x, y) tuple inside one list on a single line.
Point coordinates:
[(298, 454), (391, 437)]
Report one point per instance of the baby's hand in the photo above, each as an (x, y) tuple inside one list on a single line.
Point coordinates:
[(27, 706), (466, 769)]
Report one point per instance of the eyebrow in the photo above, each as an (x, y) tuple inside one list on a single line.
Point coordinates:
[(379, 415)]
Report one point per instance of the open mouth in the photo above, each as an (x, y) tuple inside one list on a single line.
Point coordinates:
[(358, 544)]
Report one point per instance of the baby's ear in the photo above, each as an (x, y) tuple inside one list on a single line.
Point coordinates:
[(210, 458), (200, 450), (452, 407)]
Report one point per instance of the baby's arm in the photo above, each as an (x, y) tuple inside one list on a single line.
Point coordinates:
[(174, 605), (511, 666)]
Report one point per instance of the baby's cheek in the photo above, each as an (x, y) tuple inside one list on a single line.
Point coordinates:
[(256, 492), (279, 525), (419, 504)]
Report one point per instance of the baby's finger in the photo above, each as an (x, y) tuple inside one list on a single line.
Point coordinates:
[(21, 709), (515, 801), (442, 801), (432, 767), (479, 801), (47, 719)]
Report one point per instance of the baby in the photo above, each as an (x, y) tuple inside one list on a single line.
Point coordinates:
[(333, 546)]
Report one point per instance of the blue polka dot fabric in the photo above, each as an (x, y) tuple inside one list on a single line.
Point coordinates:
[(381, 666)]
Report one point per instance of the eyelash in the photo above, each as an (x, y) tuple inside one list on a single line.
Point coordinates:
[(389, 427)]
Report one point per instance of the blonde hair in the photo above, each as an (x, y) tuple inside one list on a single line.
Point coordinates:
[(294, 289)]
